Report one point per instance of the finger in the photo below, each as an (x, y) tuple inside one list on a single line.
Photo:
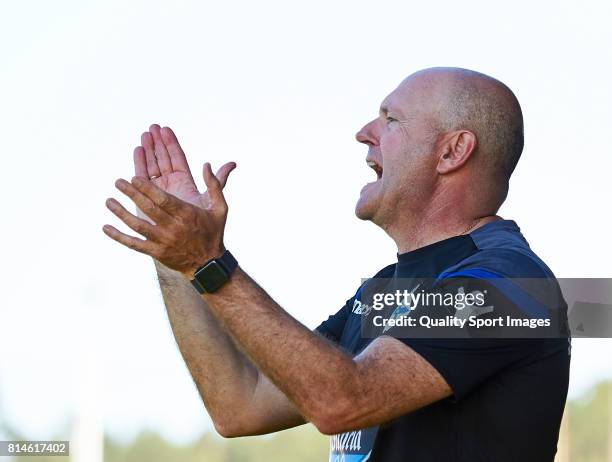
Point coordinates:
[(213, 185), (159, 197), (143, 202), (136, 224), (177, 155), (223, 173), (163, 159), (146, 140), (131, 242), (140, 162)]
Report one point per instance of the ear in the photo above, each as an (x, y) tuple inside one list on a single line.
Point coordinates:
[(456, 150)]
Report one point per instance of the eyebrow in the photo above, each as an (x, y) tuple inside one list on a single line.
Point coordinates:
[(384, 110)]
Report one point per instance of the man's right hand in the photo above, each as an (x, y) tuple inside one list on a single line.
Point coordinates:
[(161, 159)]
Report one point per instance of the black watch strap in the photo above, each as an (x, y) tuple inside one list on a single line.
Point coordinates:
[(214, 273)]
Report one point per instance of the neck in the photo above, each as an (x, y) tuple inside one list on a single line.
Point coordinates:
[(432, 228), (450, 210)]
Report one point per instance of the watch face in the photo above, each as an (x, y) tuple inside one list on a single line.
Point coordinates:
[(212, 276)]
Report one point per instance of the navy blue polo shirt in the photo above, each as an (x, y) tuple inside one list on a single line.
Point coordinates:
[(508, 393)]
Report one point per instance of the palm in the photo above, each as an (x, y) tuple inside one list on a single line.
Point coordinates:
[(161, 158), (181, 185)]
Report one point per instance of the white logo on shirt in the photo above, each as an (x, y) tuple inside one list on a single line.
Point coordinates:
[(361, 308)]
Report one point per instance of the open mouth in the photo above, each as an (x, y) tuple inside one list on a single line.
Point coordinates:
[(376, 167)]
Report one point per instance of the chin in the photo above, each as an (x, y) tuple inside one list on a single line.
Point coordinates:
[(365, 210), (370, 199)]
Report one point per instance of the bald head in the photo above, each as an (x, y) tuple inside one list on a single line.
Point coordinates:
[(444, 145), (461, 99)]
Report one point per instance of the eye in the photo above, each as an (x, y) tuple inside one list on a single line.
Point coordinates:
[(390, 119)]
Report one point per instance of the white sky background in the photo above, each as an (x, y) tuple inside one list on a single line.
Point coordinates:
[(281, 88)]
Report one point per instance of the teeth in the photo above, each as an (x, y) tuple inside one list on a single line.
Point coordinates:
[(377, 168)]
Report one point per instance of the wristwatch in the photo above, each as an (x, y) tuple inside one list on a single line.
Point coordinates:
[(214, 273)]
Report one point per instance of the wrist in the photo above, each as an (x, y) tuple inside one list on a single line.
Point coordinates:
[(214, 273), (189, 274)]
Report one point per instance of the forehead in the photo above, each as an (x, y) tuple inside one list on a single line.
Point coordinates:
[(407, 98)]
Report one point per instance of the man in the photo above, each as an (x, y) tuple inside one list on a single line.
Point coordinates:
[(443, 148)]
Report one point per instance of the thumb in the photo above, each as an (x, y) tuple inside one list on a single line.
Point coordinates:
[(223, 173), (213, 185)]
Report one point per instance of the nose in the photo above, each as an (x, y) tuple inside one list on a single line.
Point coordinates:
[(367, 134)]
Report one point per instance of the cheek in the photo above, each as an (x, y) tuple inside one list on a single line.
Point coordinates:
[(406, 169), (393, 152), (397, 156)]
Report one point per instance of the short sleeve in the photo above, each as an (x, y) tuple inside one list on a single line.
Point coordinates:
[(467, 363), (469, 360)]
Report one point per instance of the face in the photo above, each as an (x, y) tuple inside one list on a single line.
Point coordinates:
[(400, 150)]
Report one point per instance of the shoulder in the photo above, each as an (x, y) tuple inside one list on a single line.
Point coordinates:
[(503, 251), (505, 264), (386, 272)]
